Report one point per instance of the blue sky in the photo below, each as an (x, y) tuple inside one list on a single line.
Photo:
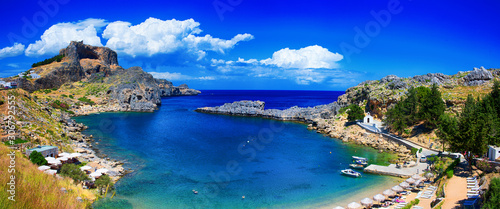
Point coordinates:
[(243, 44)]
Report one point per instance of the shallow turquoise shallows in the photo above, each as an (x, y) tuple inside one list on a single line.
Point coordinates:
[(274, 164)]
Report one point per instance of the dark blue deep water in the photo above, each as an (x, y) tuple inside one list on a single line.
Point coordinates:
[(273, 164)]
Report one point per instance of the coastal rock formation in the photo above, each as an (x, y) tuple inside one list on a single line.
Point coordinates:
[(256, 109), (130, 89)]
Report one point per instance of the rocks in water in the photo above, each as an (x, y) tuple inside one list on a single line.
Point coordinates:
[(256, 109), (477, 77)]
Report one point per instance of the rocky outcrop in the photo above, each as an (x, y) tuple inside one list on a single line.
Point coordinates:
[(131, 89), (77, 51), (256, 109), (477, 77)]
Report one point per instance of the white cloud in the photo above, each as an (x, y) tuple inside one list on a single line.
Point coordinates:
[(12, 51), (155, 36), (178, 76), (308, 57), (60, 35), (13, 65), (312, 64)]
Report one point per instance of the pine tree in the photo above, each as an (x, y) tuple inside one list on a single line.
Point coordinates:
[(355, 113)]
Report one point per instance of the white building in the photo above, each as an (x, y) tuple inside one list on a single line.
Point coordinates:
[(493, 153), (34, 75), (368, 119)]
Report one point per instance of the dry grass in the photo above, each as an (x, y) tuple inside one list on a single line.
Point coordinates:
[(35, 189), (461, 92)]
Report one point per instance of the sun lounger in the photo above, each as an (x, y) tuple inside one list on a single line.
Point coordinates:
[(427, 196), (419, 194), (401, 205), (417, 207), (471, 186), (471, 178)]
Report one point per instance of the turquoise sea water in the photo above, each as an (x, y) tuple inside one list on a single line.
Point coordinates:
[(273, 164)]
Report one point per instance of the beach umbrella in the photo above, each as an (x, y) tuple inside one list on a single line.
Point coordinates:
[(404, 185), (102, 170), (418, 182), (397, 188), (85, 168), (73, 155), (367, 202), (379, 197), (416, 177), (63, 154), (353, 205), (54, 162), (44, 168), (63, 158), (49, 158), (388, 192), (338, 207), (410, 180), (95, 175)]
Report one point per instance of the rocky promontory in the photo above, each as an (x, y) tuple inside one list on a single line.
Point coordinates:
[(94, 72), (256, 109)]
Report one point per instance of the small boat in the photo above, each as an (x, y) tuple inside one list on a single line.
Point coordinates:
[(350, 172), (361, 162), (356, 166), (359, 158)]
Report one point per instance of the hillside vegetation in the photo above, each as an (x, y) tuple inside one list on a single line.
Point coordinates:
[(35, 189)]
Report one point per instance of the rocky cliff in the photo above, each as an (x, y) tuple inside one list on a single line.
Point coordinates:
[(84, 67)]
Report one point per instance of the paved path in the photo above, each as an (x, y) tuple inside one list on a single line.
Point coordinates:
[(425, 151), (393, 171)]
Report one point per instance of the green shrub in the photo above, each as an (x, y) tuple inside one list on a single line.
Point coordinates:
[(2, 102), (17, 141), (86, 100), (411, 204), (492, 195), (64, 95), (449, 174), (71, 97), (74, 172), (37, 158), (414, 151)]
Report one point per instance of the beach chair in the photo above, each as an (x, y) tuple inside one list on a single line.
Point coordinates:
[(417, 207), (432, 188), (425, 196), (419, 194), (472, 186), (401, 205), (471, 178)]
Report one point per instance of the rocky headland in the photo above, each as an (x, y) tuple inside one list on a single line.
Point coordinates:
[(94, 71)]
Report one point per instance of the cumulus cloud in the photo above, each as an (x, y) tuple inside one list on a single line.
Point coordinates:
[(312, 64), (12, 51), (155, 36), (308, 57), (60, 35)]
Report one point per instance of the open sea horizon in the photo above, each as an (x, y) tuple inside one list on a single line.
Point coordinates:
[(274, 164)]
